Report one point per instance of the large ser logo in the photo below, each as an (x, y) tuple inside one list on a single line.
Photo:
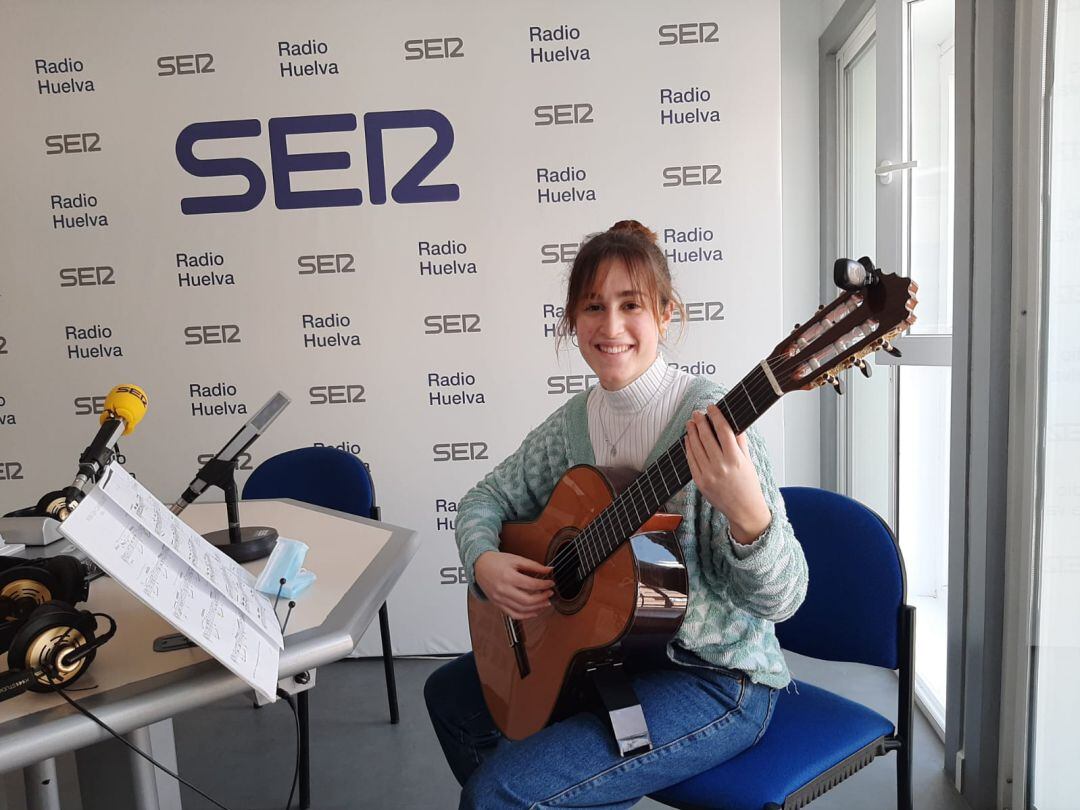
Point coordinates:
[(409, 187)]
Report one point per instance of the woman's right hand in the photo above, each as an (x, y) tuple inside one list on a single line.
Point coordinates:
[(518, 585)]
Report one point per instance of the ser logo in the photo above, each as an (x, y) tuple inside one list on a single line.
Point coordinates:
[(283, 164), (11, 471), (453, 575), (691, 33), (243, 460), (452, 324), (460, 451), (701, 311), (438, 48), (559, 252), (72, 143), (326, 263), (336, 394), (211, 334), (570, 383), (185, 64), (557, 114), (705, 175), (101, 276)]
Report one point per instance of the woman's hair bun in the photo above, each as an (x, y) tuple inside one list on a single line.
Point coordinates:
[(634, 227)]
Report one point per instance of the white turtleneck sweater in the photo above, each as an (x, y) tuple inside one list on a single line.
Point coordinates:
[(633, 417)]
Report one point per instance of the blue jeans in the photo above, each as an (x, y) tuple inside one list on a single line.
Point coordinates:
[(698, 717)]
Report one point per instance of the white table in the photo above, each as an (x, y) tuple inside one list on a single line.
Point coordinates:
[(357, 562)]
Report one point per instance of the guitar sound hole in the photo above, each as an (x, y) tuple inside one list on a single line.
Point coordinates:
[(566, 575)]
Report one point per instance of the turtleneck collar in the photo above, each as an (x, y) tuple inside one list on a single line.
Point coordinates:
[(635, 396)]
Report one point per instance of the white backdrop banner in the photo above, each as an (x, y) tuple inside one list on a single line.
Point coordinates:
[(370, 206)]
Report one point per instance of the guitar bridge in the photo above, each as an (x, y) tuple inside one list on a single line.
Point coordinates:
[(517, 643)]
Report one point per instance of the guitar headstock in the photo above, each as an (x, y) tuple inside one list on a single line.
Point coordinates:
[(859, 322)]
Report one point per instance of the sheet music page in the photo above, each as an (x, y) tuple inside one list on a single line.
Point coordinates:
[(212, 609), (232, 580)]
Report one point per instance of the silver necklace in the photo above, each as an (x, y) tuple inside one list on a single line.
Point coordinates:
[(612, 444)]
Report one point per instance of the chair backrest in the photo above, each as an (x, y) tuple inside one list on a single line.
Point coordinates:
[(323, 476), (856, 588)]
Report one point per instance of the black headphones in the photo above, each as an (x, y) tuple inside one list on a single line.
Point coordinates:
[(48, 641)]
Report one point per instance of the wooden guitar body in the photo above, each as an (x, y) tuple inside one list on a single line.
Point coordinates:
[(634, 600)]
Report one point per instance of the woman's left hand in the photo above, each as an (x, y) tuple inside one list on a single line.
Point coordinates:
[(724, 472)]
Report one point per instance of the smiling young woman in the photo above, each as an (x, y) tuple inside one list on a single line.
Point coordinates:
[(745, 569)]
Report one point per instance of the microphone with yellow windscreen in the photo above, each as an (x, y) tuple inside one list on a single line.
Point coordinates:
[(125, 402), (124, 408)]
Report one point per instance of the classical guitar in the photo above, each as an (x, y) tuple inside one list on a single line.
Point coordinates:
[(620, 584)]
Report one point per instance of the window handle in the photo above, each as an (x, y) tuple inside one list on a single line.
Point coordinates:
[(885, 170)]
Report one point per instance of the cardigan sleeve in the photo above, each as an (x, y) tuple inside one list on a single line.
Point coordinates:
[(768, 578), (517, 489)]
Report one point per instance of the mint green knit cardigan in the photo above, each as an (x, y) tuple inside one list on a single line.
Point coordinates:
[(733, 601)]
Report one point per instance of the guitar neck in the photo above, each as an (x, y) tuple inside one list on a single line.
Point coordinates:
[(657, 484)]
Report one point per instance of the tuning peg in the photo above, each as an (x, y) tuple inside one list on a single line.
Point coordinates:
[(836, 383), (864, 367), (795, 327), (895, 352)]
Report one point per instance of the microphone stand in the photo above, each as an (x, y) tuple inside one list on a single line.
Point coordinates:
[(242, 544)]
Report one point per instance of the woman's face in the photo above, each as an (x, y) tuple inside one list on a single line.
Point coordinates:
[(616, 330)]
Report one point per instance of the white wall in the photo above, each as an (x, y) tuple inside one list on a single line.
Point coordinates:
[(209, 354), (801, 23)]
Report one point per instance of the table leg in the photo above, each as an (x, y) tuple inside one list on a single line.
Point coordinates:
[(144, 780), (305, 771), (42, 790)]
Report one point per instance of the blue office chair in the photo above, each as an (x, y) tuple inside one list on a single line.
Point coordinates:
[(334, 479), (854, 611)]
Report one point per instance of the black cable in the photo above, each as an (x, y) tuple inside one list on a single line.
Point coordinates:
[(57, 686), (296, 717), (84, 689), (60, 691)]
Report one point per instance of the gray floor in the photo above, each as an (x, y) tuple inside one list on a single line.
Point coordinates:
[(244, 758)]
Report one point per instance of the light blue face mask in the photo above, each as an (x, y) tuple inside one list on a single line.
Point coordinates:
[(285, 562)]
